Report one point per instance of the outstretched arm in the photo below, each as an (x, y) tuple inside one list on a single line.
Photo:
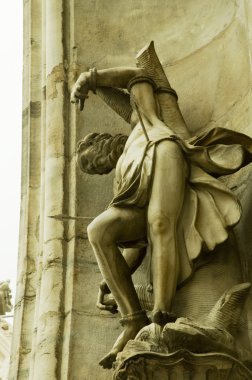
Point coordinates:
[(141, 90), (117, 77)]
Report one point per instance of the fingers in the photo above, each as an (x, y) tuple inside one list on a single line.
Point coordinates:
[(73, 97), (81, 104), (103, 304), (79, 98), (80, 91), (111, 308), (100, 306), (76, 95)]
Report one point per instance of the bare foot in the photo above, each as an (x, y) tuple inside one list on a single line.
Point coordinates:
[(161, 317), (128, 333)]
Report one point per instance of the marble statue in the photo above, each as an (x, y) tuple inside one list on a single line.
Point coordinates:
[(167, 200), (5, 297)]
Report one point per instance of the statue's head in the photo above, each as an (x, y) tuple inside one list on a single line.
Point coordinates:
[(98, 153)]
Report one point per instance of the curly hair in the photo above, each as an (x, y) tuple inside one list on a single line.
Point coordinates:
[(98, 153)]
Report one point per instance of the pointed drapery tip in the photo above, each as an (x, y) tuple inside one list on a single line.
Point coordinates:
[(227, 311), (240, 287), (148, 46)]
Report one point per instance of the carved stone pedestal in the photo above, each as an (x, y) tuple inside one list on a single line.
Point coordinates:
[(191, 349), (181, 365)]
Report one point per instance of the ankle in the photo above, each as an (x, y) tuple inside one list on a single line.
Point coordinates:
[(136, 318)]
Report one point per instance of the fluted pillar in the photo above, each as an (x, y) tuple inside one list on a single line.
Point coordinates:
[(50, 309), (40, 306), (30, 193)]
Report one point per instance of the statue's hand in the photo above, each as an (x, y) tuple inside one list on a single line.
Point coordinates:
[(80, 90), (105, 300)]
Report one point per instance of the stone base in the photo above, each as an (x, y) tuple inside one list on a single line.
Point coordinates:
[(181, 365)]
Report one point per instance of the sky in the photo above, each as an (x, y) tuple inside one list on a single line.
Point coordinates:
[(11, 39)]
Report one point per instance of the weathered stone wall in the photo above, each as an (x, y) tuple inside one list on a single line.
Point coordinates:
[(205, 48)]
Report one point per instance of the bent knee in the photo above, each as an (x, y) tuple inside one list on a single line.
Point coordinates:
[(95, 232), (161, 224), (92, 232), (101, 233)]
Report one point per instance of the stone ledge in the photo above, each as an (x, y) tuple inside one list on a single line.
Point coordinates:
[(181, 365)]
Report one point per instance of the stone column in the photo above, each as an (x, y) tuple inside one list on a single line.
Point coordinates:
[(51, 301), (30, 193), (39, 310)]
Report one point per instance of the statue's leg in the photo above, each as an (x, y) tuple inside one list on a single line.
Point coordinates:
[(166, 200), (111, 227), (134, 258)]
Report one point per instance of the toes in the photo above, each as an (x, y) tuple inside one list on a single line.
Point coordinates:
[(162, 317), (157, 317), (171, 317)]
